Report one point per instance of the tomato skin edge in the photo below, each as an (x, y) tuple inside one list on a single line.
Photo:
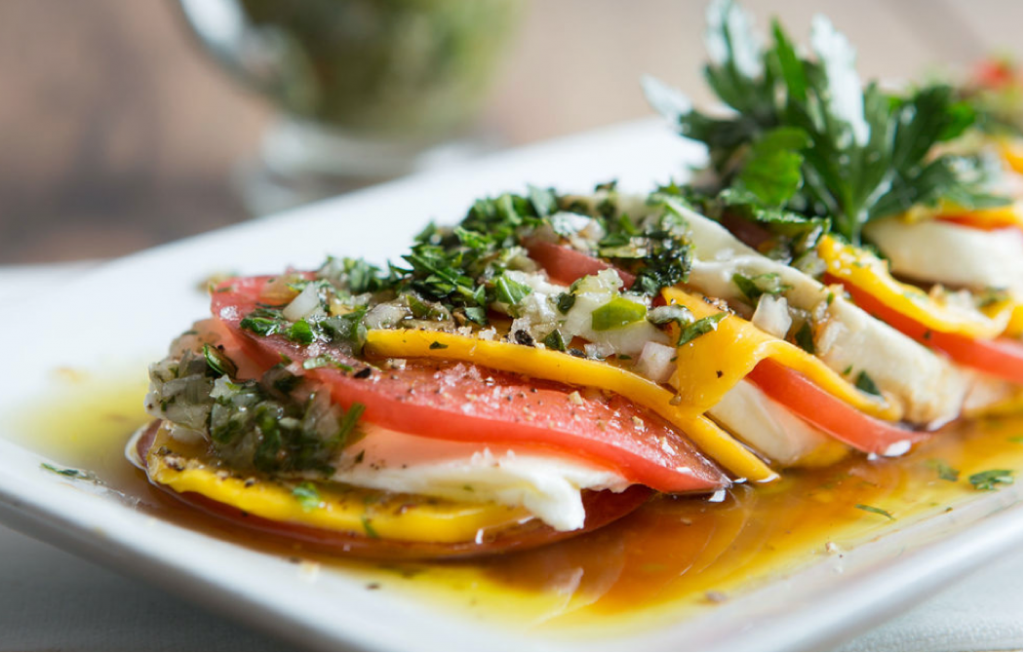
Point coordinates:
[(836, 418)]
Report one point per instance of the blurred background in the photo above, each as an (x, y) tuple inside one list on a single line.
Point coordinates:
[(119, 131)]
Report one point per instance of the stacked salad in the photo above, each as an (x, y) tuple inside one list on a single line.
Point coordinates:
[(843, 278)]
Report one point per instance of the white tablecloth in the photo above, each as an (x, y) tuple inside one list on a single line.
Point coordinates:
[(52, 600)]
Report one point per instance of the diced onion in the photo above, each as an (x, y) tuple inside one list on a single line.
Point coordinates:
[(305, 303), (598, 351), (772, 316), (383, 316), (656, 362)]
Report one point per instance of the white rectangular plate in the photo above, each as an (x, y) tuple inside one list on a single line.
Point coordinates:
[(126, 312)]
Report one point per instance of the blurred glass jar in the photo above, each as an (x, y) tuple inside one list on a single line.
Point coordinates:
[(368, 89)]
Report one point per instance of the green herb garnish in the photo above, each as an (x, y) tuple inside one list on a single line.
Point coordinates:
[(555, 340), (876, 511), (509, 291), (219, 363), (866, 384), (989, 479), (263, 321), (368, 528), (699, 328), (307, 495), (804, 338), (300, 332), (69, 472), (944, 471), (565, 301), (807, 139), (762, 284), (325, 360)]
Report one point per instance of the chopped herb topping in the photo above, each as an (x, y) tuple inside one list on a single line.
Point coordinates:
[(218, 363), (543, 200), (944, 471), (875, 511), (554, 340), (762, 284), (671, 313), (276, 423), (866, 384), (308, 496), (437, 345), (509, 291), (263, 321), (300, 332), (804, 338), (565, 302), (69, 472), (368, 528), (699, 328), (325, 360), (989, 479)]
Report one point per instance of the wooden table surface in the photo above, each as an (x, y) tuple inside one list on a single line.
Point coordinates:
[(117, 133)]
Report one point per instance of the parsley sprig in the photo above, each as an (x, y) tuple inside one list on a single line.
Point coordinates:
[(806, 139)]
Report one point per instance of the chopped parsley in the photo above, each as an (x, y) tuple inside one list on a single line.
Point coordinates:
[(69, 472), (804, 338), (762, 284), (307, 495), (325, 360), (218, 363), (866, 384), (875, 511), (509, 291), (565, 301), (945, 472), (989, 479), (263, 321), (555, 340), (805, 140), (276, 423), (704, 325), (368, 528)]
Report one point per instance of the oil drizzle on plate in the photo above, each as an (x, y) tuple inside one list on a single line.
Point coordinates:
[(674, 557)]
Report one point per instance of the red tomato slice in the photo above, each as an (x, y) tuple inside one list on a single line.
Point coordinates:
[(459, 401), (833, 416), (1002, 357), (565, 265), (602, 508)]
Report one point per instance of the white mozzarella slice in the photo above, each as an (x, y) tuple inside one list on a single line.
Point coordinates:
[(951, 254), (931, 394), (766, 425), (547, 485)]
